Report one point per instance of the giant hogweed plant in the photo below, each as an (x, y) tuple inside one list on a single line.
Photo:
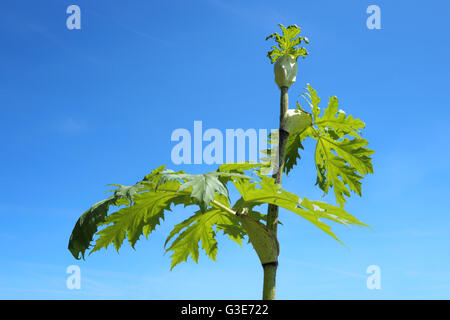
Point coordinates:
[(341, 160)]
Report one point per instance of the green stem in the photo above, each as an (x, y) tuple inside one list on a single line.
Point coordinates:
[(223, 207), (270, 274), (270, 269)]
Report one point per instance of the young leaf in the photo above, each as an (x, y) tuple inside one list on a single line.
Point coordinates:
[(352, 160), (293, 145), (341, 156), (287, 43), (333, 118)]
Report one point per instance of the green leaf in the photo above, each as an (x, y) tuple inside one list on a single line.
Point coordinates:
[(333, 118), (86, 227), (341, 156), (127, 192), (293, 145), (330, 212), (154, 176), (287, 43), (240, 167), (342, 172), (244, 207), (267, 191), (142, 217), (203, 187), (199, 228), (314, 101)]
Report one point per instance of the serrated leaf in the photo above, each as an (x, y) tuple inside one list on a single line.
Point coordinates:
[(140, 218), (244, 207), (199, 228), (154, 176), (292, 154), (337, 119), (203, 187), (341, 156), (313, 100), (330, 212), (127, 192), (293, 145), (267, 191), (342, 171), (287, 43), (240, 167), (87, 226)]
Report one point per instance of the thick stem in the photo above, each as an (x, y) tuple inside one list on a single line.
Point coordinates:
[(270, 274), (270, 270)]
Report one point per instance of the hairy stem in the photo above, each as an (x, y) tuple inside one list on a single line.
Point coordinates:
[(270, 269)]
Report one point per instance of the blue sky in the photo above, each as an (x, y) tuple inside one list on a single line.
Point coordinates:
[(84, 108)]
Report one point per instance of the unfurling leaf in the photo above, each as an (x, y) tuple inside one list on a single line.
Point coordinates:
[(287, 43)]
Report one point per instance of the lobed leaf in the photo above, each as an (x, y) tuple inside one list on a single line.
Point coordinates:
[(203, 187), (341, 156), (199, 228), (267, 191), (87, 226), (140, 218), (287, 43)]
